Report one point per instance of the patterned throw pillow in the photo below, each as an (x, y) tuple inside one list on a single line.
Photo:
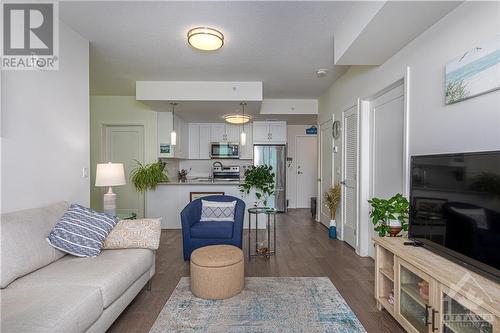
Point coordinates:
[(81, 231), (135, 234), (217, 211)]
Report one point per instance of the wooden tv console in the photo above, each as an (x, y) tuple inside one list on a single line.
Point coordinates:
[(431, 293)]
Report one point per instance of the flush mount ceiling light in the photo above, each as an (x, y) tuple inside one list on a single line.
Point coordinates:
[(237, 119), (206, 39)]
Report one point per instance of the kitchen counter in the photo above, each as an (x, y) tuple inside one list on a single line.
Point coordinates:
[(169, 199)]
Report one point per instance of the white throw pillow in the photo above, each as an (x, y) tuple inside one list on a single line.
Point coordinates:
[(135, 234), (217, 211)]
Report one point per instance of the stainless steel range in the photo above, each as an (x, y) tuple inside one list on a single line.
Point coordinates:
[(225, 173)]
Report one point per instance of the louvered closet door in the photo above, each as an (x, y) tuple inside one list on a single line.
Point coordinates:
[(350, 170)]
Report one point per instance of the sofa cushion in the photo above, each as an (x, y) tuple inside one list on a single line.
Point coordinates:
[(23, 245), (82, 231), (212, 229), (112, 272), (50, 309)]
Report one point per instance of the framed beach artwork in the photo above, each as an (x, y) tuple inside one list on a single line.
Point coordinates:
[(474, 73)]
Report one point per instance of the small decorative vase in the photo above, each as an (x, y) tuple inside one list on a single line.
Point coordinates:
[(332, 230)]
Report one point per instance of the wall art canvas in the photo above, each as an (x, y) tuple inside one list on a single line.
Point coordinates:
[(474, 73)]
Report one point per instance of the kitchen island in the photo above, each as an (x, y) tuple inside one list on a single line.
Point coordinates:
[(169, 199)]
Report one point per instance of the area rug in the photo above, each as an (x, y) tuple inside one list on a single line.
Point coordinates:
[(267, 304)]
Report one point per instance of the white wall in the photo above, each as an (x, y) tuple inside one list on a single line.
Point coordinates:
[(45, 130), (118, 110), (291, 171), (470, 125)]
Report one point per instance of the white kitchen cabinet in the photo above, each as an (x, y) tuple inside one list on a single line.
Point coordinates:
[(269, 132), (225, 133), (232, 133), (218, 132), (277, 131), (204, 142), (165, 124), (246, 151), (194, 141), (182, 146), (199, 141)]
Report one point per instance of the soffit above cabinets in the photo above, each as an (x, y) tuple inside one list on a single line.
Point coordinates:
[(210, 101), (198, 91)]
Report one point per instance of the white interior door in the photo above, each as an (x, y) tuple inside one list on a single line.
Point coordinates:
[(307, 170), (326, 168), (350, 176), (387, 114), (125, 144)]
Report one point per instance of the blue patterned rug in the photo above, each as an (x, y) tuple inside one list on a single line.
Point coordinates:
[(267, 304)]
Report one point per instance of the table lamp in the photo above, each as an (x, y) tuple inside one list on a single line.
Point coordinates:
[(110, 174)]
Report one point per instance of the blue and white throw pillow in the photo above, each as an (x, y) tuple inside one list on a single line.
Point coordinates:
[(81, 231), (217, 211)]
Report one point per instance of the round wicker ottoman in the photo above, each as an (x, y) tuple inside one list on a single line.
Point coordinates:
[(217, 271)]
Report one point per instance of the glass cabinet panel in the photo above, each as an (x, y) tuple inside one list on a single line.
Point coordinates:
[(459, 319), (414, 303)]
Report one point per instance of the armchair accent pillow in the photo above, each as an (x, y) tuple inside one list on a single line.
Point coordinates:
[(217, 211), (135, 234), (81, 231)]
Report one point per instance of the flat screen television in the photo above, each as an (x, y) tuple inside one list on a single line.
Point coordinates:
[(455, 208)]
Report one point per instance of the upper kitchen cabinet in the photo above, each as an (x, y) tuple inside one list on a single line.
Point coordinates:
[(224, 133), (165, 125), (199, 141), (269, 132)]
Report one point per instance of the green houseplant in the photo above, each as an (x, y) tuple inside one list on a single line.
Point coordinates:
[(389, 215), (332, 199), (147, 176), (260, 178)]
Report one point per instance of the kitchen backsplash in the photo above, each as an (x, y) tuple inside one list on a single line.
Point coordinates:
[(203, 168)]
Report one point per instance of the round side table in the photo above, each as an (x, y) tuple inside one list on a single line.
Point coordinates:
[(270, 249)]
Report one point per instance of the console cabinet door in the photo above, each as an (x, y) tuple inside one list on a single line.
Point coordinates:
[(417, 308), (460, 315)]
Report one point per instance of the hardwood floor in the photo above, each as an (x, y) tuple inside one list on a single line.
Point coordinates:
[(303, 249)]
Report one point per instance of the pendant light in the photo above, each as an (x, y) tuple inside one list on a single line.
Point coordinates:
[(173, 134), (243, 135)]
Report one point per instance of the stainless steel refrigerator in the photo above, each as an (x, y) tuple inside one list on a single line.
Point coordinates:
[(275, 156)]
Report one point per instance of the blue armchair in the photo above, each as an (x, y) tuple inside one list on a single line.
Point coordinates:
[(196, 233)]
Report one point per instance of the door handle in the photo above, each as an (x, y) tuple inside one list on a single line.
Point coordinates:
[(427, 308), (434, 313), (299, 172), (342, 182)]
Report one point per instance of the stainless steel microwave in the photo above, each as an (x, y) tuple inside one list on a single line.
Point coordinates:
[(224, 150)]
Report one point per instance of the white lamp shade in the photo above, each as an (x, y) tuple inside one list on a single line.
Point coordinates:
[(243, 138), (173, 138), (110, 174)]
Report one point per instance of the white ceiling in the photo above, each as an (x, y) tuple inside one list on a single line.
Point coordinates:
[(281, 44)]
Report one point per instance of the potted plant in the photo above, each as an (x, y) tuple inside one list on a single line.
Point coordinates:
[(332, 199), (389, 215), (147, 176), (261, 179)]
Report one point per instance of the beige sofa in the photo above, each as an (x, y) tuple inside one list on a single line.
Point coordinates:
[(44, 290)]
